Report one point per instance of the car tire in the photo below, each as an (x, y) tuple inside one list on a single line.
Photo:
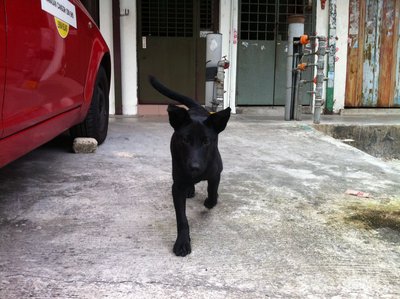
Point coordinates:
[(95, 124)]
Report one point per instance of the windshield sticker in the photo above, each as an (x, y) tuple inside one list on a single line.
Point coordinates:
[(61, 9)]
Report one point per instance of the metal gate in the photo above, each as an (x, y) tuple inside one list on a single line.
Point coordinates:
[(373, 54), (262, 51), (171, 45)]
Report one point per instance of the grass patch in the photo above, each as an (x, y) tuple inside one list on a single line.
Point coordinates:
[(374, 215)]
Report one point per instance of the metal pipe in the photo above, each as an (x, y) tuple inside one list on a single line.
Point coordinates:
[(213, 56), (297, 106), (296, 29)]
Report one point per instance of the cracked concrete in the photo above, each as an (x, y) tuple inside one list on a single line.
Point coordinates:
[(102, 225)]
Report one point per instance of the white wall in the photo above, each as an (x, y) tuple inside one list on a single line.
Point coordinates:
[(128, 53), (342, 30), (342, 24)]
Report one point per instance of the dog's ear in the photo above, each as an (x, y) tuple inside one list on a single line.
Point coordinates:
[(218, 120), (177, 116)]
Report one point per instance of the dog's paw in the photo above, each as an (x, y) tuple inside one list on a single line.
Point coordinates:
[(210, 203), (182, 246), (190, 192)]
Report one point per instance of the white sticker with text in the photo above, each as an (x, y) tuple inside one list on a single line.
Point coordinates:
[(62, 9)]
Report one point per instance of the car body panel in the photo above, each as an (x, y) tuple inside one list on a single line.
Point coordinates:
[(2, 61), (21, 143), (43, 77), (47, 74)]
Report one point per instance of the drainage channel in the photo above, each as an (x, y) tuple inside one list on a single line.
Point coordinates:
[(382, 141)]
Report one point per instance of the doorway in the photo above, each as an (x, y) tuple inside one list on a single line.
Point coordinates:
[(172, 46), (262, 49)]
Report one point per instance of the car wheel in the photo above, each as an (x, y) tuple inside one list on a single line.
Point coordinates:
[(95, 124)]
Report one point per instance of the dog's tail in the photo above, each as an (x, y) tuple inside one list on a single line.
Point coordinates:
[(188, 102)]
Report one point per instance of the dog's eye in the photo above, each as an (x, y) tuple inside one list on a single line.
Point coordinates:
[(205, 141)]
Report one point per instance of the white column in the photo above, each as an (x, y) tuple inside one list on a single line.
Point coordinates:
[(322, 21), (106, 29), (342, 31), (229, 29), (342, 27), (128, 58)]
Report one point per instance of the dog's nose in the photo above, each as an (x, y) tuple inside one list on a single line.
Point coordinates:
[(194, 167)]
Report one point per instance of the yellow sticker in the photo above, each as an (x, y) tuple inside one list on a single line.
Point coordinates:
[(62, 27)]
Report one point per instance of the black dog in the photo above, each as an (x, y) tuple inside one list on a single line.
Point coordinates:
[(195, 156)]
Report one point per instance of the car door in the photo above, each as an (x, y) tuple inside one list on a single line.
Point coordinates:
[(43, 70), (2, 61)]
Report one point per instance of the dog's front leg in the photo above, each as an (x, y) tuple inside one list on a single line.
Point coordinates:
[(182, 245), (212, 191)]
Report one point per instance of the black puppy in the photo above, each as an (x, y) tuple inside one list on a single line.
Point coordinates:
[(195, 156)]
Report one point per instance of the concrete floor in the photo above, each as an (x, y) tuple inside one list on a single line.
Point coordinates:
[(102, 225)]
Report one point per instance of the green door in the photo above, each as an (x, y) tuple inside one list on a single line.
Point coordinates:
[(262, 50), (171, 46)]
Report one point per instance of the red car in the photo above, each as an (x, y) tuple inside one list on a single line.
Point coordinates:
[(54, 75)]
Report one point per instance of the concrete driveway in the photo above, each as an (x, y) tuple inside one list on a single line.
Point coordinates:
[(102, 225)]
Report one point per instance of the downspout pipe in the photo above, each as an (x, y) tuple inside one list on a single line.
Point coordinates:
[(117, 56)]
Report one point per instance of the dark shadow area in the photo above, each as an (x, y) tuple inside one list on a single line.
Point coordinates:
[(381, 141)]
